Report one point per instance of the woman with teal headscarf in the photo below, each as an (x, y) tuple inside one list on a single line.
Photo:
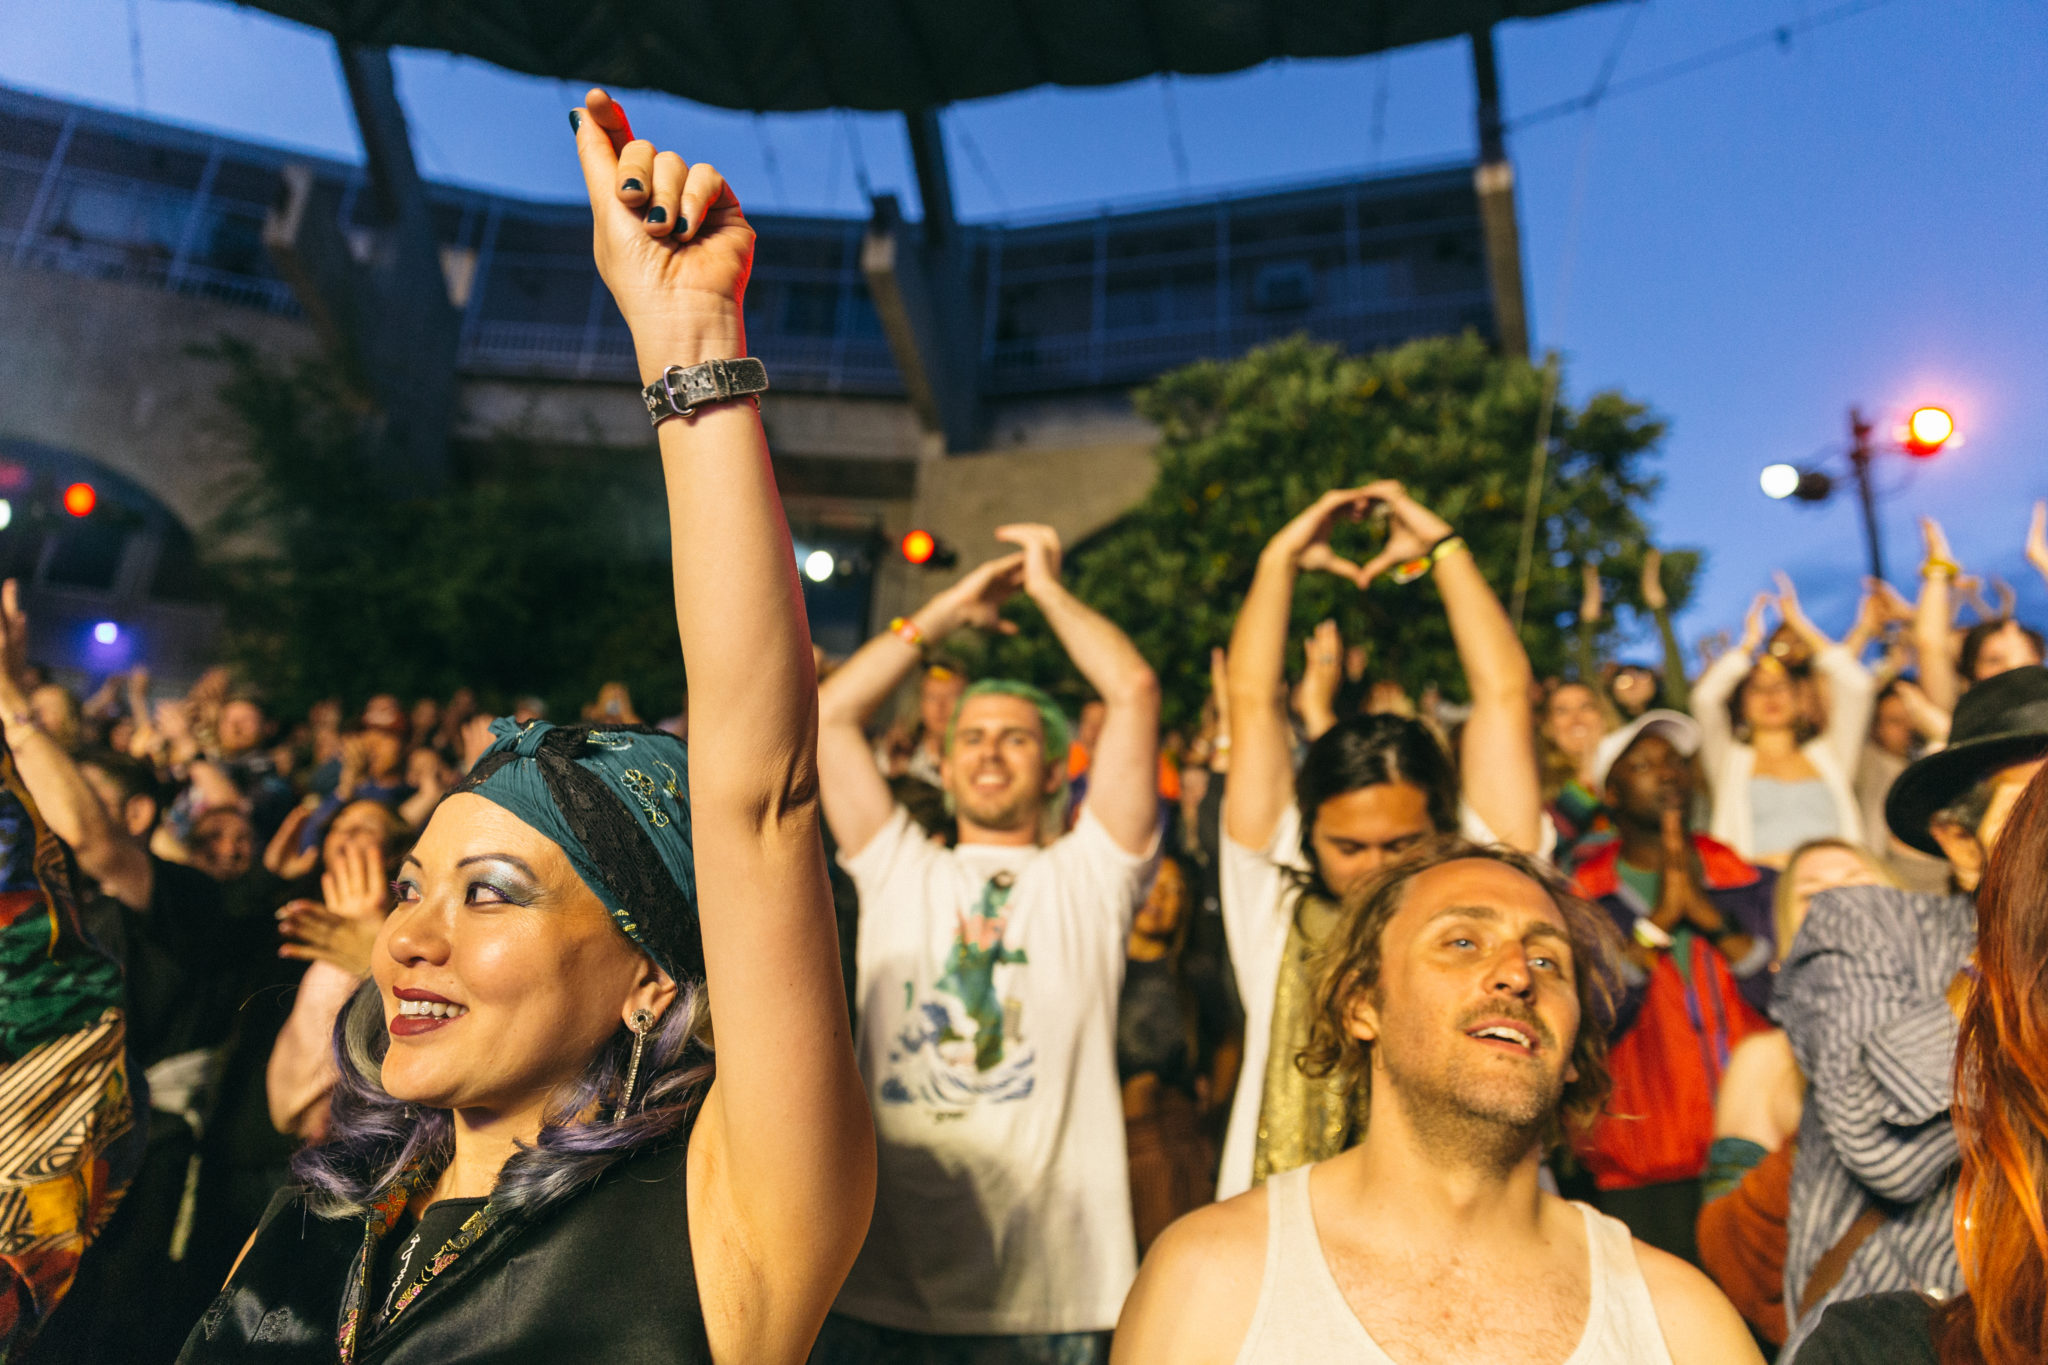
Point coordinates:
[(534, 1151)]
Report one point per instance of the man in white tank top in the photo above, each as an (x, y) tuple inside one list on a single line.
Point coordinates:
[(1469, 994)]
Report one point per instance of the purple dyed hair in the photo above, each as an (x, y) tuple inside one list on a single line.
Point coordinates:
[(372, 1137)]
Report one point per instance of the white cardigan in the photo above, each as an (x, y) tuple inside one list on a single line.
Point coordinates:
[(1730, 764)]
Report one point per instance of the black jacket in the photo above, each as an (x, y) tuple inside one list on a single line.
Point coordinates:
[(604, 1276)]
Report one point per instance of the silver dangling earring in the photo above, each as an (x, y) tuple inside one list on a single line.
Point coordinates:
[(641, 1022)]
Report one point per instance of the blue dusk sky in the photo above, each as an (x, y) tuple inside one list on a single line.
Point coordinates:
[(1853, 208)]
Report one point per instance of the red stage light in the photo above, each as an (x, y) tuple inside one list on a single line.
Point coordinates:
[(919, 546), (80, 499), (1928, 430)]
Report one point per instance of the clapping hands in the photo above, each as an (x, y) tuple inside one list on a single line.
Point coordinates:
[(341, 927)]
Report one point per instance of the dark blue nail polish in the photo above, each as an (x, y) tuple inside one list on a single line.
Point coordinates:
[(575, 120), (657, 214), (632, 183)]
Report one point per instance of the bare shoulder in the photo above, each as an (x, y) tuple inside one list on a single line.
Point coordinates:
[(1761, 1055), (1700, 1325), (1196, 1293)]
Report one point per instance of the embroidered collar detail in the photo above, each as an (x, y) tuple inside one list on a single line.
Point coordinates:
[(384, 1216)]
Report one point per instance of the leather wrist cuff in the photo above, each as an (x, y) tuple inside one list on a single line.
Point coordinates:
[(681, 391)]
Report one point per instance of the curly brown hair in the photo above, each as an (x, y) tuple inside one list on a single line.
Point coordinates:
[(1351, 963)]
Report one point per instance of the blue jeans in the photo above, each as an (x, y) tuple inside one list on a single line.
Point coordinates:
[(847, 1341)]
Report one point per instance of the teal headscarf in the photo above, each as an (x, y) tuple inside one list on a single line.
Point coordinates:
[(616, 798)]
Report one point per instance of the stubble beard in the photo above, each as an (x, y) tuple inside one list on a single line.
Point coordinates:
[(1473, 1119), (1010, 811)]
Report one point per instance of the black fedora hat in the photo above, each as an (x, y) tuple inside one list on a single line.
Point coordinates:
[(2001, 721)]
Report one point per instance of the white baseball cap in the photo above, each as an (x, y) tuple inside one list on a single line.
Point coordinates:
[(1681, 730)]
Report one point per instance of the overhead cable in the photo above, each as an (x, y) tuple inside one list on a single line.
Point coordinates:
[(1174, 143), (980, 164), (1780, 36)]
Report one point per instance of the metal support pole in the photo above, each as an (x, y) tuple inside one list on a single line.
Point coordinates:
[(195, 218), (934, 180), (46, 185), (1859, 460), (1494, 182)]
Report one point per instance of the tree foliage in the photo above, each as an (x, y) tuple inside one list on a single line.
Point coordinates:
[(1246, 443), (516, 579)]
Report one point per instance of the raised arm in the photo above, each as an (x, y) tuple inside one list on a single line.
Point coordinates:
[(1677, 687), (1261, 750), (1498, 768), (782, 1162), (1123, 773), (1712, 689), (857, 799), (1850, 690), (106, 852), (1591, 599), (1934, 618), (1322, 674)]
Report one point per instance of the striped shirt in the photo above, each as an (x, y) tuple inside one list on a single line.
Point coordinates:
[(1862, 999)]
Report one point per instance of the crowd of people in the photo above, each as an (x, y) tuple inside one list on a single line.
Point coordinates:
[(1645, 1014)]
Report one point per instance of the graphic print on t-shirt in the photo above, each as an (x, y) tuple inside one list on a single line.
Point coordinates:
[(962, 1039)]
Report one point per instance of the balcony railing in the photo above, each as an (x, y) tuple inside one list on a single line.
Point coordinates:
[(1136, 293)]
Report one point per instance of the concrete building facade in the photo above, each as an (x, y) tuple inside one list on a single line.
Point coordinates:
[(952, 386)]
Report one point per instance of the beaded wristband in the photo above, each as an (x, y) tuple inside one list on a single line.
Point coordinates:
[(908, 631), (1437, 553)]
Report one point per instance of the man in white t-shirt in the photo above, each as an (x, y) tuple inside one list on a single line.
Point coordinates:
[(1369, 790), (987, 978)]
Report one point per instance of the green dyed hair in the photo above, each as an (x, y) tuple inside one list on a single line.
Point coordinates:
[(1058, 734)]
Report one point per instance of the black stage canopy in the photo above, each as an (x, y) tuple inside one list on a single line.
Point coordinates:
[(892, 54)]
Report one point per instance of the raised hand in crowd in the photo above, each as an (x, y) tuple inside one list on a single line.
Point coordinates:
[(1261, 749), (341, 927), (1315, 696), (1591, 595), (1794, 616), (1413, 531), (858, 802), (1875, 610), (1755, 621), (1654, 597), (107, 851), (1497, 748), (105, 702), (1123, 773), (1677, 683), (1934, 618), (180, 742), (1970, 587), (976, 601), (287, 857), (782, 1163)]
